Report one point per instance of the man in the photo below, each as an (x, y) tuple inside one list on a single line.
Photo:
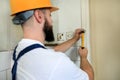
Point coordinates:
[(32, 60)]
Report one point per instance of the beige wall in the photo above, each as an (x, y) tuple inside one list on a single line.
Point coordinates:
[(105, 38)]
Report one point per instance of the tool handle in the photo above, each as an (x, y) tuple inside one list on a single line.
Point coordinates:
[(82, 39)]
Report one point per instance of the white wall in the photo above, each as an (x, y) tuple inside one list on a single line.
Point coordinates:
[(71, 16), (5, 58), (5, 55), (68, 17), (9, 36), (4, 25)]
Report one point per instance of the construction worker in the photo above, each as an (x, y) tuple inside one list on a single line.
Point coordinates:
[(31, 59)]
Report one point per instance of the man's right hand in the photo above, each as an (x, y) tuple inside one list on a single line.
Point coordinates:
[(83, 52)]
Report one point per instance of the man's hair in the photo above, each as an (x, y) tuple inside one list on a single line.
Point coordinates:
[(21, 18)]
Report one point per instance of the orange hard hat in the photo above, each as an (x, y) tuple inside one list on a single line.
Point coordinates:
[(18, 6)]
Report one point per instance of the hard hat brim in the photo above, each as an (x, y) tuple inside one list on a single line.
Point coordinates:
[(52, 9)]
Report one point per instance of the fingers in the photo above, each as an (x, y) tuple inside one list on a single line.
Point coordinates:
[(77, 34), (83, 52), (79, 30)]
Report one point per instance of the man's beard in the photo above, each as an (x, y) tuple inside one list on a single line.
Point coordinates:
[(48, 30)]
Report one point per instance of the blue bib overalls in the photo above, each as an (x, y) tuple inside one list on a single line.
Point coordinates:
[(27, 49)]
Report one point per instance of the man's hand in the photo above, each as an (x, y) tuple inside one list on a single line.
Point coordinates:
[(77, 34), (83, 52)]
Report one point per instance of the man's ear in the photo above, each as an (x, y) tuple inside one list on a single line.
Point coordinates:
[(39, 16)]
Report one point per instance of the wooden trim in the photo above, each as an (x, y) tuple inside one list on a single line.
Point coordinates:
[(85, 23)]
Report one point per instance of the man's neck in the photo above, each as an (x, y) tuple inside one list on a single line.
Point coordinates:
[(34, 34)]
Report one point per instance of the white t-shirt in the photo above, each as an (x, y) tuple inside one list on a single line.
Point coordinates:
[(46, 64)]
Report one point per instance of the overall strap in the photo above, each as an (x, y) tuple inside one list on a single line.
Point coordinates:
[(27, 49)]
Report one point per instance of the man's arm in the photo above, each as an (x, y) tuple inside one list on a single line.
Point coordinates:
[(84, 64), (66, 45)]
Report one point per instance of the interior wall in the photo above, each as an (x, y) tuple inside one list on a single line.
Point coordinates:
[(105, 38)]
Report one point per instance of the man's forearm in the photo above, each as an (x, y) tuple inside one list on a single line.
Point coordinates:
[(65, 45), (85, 65)]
